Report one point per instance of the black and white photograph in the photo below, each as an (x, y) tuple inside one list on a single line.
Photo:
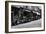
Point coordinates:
[(25, 16)]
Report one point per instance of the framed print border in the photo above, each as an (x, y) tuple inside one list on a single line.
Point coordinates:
[(7, 15)]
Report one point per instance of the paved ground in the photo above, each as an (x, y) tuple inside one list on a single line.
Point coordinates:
[(36, 23)]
